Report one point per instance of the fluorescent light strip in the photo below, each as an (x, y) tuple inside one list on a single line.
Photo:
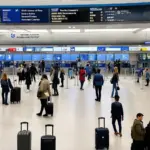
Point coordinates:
[(148, 29), (4, 31), (37, 31), (65, 31), (108, 30), (20, 31)]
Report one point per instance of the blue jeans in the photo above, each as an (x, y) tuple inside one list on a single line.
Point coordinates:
[(4, 97), (114, 88)]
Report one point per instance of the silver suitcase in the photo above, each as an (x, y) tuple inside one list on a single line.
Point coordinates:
[(24, 138)]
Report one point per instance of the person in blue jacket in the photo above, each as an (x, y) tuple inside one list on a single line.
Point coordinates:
[(98, 82), (139, 74), (88, 71)]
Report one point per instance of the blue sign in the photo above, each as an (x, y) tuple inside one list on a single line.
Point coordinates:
[(36, 57), (125, 57), (92, 57), (29, 49), (47, 57), (66, 57), (73, 57), (17, 57), (101, 57), (9, 57), (2, 57), (11, 15), (57, 57), (84, 57), (101, 48), (125, 48), (72, 49), (27, 57)]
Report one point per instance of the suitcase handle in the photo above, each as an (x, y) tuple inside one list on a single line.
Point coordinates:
[(49, 125), (101, 118), (24, 123)]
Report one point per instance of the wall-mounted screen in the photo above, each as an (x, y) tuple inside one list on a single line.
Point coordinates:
[(36, 57), (110, 57), (125, 57), (27, 57), (65, 57), (101, 57), (2, 57), (57, 57), (73, 57), (118, 56), (47, 57), (84, 57), (9, 57), (17, 57), (92, 57)]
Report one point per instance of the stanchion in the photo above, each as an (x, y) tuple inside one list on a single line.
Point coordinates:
[(67, 82), (141, 83)]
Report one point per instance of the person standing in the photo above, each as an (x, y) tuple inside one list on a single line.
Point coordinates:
[(138, 133), (33, 71), (44, 88), (43, 66), (6, 86), (28, 79), (147, 75), (98, 82), (55, 81), (147, 137), (117, 114), (114, 82), (82, 74), (62, 74)]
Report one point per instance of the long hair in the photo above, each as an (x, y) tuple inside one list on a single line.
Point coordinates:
[(4, 77)]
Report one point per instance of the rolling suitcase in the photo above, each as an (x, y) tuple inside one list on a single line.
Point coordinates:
[(49, 107), (24, 138), (101, 136), (15, 95), (48, 142)]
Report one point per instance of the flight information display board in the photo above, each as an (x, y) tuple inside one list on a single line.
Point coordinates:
[(74, 14)]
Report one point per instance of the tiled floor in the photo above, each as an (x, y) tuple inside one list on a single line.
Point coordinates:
[(75, 116)]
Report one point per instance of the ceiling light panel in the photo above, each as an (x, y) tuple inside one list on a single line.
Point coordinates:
[(4, 31), (20, 31), (66, 31), (37, 31), (108, 30)]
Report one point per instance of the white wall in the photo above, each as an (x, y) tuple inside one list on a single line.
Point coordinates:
[(66, 2)]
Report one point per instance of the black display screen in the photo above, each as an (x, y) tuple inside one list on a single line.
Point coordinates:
[(103, 14), (69, 15)]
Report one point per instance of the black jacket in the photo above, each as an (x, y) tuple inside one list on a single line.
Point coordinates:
[(147, 135), (33, 70), (115, 78), (28, 77), (62, 75), (117, 109), (55, 79), (6, 85)]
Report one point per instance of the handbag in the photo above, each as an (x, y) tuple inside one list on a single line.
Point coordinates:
[(39, 93), (118, 88)]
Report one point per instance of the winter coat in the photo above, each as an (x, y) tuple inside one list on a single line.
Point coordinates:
[(82, 75)]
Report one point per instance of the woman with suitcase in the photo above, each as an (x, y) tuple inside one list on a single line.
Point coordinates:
[(43, 94), (6, 86)]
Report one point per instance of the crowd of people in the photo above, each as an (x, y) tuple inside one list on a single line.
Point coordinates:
[(139, 134)]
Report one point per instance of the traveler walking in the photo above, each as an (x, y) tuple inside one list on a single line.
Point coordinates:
[(147, 74), (114, 81), (138, 133), (33, 72), (117, 115), (6, 86), (62, 74), (28, 79), (43, 94), (82, 74), (55, 81), (19, 74), (42, 66), (98, 82)]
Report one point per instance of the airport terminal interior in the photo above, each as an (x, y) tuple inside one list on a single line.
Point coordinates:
[(67, 39)]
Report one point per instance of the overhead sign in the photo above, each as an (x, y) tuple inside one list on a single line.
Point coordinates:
[(134, 48), (84, 49), (75, 14), (24, 36)]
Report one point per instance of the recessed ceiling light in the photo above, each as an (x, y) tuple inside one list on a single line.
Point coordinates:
[(108, 30)]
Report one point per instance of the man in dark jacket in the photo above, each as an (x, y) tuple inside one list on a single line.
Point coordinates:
[(138, 133), (98, 82), (33, 72), (117, 114)]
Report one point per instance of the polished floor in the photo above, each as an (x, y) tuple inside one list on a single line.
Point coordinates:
[(75, 115)]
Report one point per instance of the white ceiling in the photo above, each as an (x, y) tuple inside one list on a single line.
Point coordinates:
[(77, 34)]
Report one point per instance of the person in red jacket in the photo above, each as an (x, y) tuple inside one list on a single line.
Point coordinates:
[(82, 74)]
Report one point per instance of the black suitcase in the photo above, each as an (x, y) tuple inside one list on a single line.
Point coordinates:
[(101, 136), (48, 142), (49, 107), (24, 138), (15, 95)]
